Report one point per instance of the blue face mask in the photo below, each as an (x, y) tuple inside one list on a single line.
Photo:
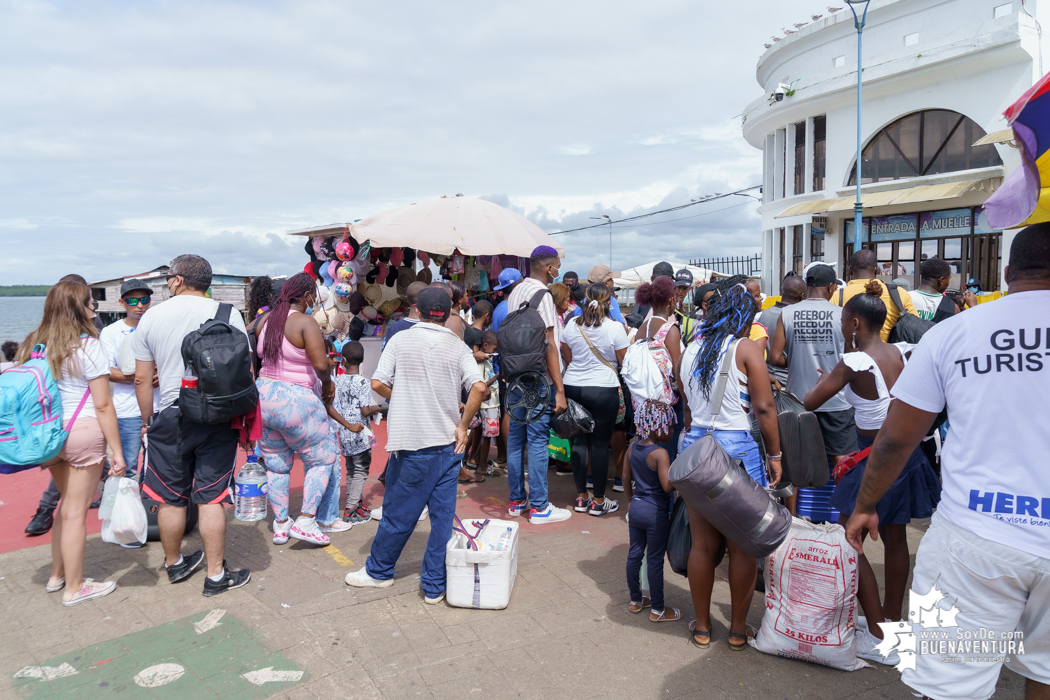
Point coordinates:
[(972, 289), (310, 310)]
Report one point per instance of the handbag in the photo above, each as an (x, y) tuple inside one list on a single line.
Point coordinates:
[(847, 463), (621, 410)]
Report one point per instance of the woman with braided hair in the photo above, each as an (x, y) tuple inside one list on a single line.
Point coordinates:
[(724, 333), (665, 342), (294, 385)]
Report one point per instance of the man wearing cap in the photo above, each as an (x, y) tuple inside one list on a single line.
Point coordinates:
[(660, 269), (509, 278), (863, 268), (135, 298), (808, 341), (421, 374), (600, 274), (687, 323), (402, 324)]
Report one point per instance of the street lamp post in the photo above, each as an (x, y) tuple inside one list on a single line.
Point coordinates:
[(858, 22), (608, 220)]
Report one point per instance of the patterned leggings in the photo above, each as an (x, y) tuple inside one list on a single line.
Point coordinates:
[(295, 421)]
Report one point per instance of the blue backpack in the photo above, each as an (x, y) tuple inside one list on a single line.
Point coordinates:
[(31, 431)]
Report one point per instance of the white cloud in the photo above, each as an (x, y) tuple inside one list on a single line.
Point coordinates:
[(138, 131)]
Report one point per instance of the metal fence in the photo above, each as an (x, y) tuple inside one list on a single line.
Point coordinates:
[(743, 265)]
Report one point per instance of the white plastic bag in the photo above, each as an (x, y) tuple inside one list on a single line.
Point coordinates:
[(811, 598), (127, 523), (482, 578), (109, 495)]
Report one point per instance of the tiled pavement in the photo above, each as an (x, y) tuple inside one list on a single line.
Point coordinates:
[(566, 633)]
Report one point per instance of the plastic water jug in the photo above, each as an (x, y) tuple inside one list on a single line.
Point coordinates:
[(250, 491)]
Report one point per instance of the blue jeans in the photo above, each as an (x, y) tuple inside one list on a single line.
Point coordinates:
[(328, 509), (130, 443), (739, 444), (533, 437), (414, 479)]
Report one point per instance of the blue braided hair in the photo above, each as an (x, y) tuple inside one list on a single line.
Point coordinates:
[(727, 314)]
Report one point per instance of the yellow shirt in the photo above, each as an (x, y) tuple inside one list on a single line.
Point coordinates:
[(855, 287)]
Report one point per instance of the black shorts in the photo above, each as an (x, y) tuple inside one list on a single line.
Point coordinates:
[(204, 472), (839, 432)]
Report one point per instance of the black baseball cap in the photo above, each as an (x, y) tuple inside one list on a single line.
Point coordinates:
[(434, 304), (821, 276), (134, 286), (683, 278), (701, 292), (663, 269)]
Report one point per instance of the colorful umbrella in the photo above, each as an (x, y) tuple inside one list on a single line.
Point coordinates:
[(1024, 198)]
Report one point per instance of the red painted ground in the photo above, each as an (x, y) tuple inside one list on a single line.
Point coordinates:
[(20, 494)]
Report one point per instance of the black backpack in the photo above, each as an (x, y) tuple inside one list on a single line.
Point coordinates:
[(908, 328), (221, 357), (523, 340)]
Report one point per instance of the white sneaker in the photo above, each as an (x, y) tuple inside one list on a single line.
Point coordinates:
[(608, 506), (425, 514), (866, 642), (550, 514), (377, 513), (92, 589), (361, 579), (337, 525), (280, 531), (433, 601), (307, 530)]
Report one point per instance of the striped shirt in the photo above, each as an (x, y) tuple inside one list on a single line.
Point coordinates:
[(425, 366)]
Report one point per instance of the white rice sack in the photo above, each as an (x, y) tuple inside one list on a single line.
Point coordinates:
[(811, 598)]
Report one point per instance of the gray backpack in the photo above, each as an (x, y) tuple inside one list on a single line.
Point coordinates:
[(717, 486)]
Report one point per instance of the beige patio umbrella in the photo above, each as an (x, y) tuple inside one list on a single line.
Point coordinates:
[(473, 226)]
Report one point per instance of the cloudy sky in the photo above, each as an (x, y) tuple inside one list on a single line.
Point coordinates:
[(132, 131)]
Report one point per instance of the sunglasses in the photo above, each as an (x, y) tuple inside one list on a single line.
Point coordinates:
[(135, 301)]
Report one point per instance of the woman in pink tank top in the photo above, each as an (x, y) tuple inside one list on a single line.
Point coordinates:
[(294, 383)]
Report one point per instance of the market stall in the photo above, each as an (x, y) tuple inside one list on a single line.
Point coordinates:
[(365, 267)]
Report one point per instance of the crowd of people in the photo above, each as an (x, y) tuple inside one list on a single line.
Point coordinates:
[(448, 385)]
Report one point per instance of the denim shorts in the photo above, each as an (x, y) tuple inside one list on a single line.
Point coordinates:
[(738, 443)]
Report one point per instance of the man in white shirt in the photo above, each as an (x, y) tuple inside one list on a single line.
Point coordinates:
[(186, 460), (988, 547), (421, 373), (534, 437), (135, 298)]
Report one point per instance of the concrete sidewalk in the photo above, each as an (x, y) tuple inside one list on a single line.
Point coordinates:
[(567, 632)]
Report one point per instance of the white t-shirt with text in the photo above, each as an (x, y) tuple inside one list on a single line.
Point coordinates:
[(925, 303), (586, 369), (124, 401), (991, 366)]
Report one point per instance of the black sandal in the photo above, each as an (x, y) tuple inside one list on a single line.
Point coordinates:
[(694, 633), (739, 635)]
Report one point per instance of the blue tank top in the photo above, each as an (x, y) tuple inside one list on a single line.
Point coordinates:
[(646, 479)]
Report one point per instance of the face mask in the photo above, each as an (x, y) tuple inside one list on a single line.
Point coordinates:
[(310, 310), (972, 289)]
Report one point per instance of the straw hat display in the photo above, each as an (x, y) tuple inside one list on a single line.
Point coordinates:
[(373, 293), (388, 307), (405, 277), (425, 275)]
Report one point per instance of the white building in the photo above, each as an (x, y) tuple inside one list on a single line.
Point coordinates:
[(937, 76)]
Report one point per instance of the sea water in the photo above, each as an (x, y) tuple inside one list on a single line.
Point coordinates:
[(19, 316)]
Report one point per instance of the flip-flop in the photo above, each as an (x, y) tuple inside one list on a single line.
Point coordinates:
[(636, 607), (703, 633), (663, 616), (473, 480), (738, 635)]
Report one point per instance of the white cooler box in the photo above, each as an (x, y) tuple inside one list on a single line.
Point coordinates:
[(479, 576)]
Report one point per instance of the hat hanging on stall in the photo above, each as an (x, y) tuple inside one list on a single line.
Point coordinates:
[(343, 292), (373, 254), (318, 250), (356, 302), (405, 277), (369, 312), (357, 328), (333, 269), (325, 278), (309, 269), (328, 246), (388, 307), (325, 298), (397, 256), (384, 270), (384, 255), (410, 257), (391, 278), (423, 257), (309, 247), (371, 292), (372, 273), (425, 275), (317, 265)]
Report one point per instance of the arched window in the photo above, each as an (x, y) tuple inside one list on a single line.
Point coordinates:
[(925, 143)]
